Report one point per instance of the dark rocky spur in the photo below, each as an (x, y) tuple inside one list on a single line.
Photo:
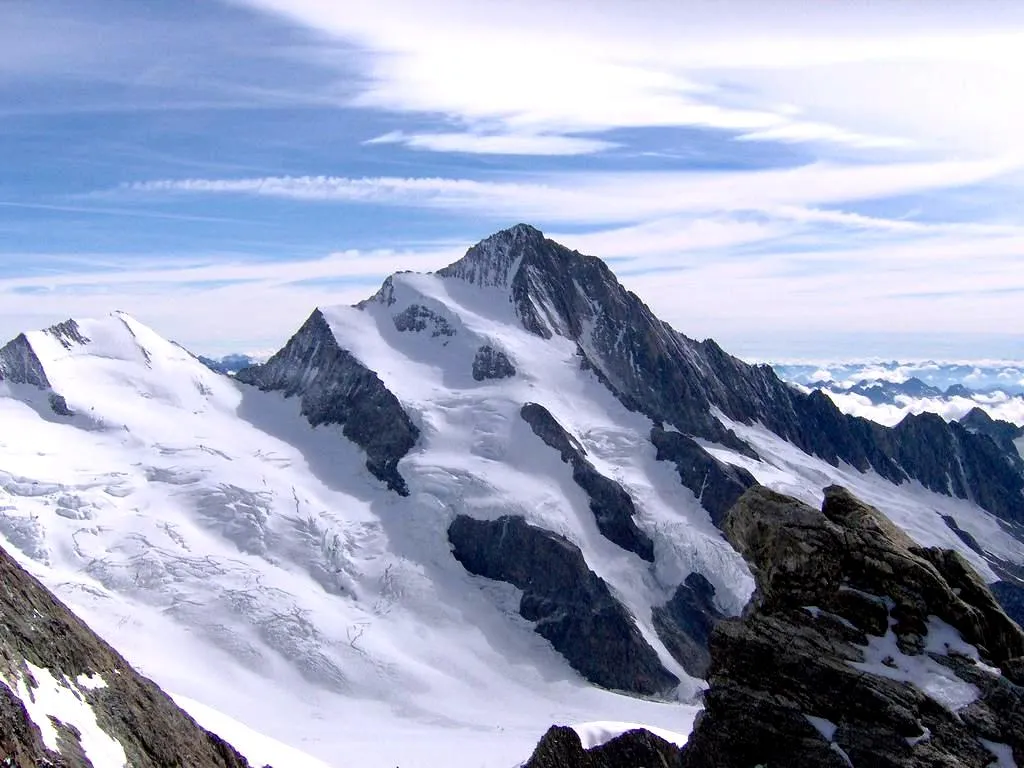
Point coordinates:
[(796, 681), (335, 388), (37, 629), (613, 508), (571, 605)]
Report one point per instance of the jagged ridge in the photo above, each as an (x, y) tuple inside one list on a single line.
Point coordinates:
[(677, 380), (337, 389)]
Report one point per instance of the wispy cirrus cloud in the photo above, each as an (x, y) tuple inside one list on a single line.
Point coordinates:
[(610, 197), (496, 144)]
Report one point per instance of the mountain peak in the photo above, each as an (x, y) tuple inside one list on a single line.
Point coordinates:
[(495, 260)]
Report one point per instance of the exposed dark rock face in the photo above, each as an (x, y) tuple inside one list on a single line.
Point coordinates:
[(417, 318), (573, 607), (1009, 591), (561, 747), (1010, 595), (153, 731), (685, 622), (68, 333), (963, 535), (839, 588), (612, 507), (672, 379), (20, 365), (716, 485), (557, 291), (1003, 433), (491, 363), (951, 459), (337, 389), (59, 405)]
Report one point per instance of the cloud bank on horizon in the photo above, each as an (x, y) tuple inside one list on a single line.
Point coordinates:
[(800, 180)]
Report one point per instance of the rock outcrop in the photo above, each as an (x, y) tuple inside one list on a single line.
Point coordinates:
[(491, 363), (571, 605), (859, 647), (716, 485), (20, 365), (416, 318), (613, 508), (561, 748), (1003, 433), (49, 655), (335, 388), (685, 622)]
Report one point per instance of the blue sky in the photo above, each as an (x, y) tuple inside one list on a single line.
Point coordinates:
[(821, 180)]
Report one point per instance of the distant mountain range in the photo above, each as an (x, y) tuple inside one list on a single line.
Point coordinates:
[(229, 364), (980, 377), (885, 392)]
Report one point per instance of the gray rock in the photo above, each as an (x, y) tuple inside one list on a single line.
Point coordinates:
[(573, 607), (152, 729), (416, 317), (1003, 433), (335, 388), (826, 581), (561, 747), (59, 405), (20, 365), (716, 485), (491, 363), (685, 622), (612, 507)]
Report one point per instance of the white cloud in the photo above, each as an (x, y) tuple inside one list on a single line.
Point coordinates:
[(862, 75), (641, 245), (1005, 408), (624, 197), (496, 144)]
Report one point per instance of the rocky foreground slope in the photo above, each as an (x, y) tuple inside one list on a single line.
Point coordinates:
[(69, 700), (858, 648)]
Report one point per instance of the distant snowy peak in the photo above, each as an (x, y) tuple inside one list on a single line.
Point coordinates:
[(75, 359), (25, 360)]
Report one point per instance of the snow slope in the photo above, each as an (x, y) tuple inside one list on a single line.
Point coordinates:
[(249, 563)]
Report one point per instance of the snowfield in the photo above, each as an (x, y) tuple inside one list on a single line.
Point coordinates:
[(250, 564)]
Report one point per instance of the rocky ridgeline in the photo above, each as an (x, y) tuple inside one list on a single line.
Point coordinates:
[(612, 507), (677, 381), (858, 648), (651, 368), (335, 388), (48, 654)]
